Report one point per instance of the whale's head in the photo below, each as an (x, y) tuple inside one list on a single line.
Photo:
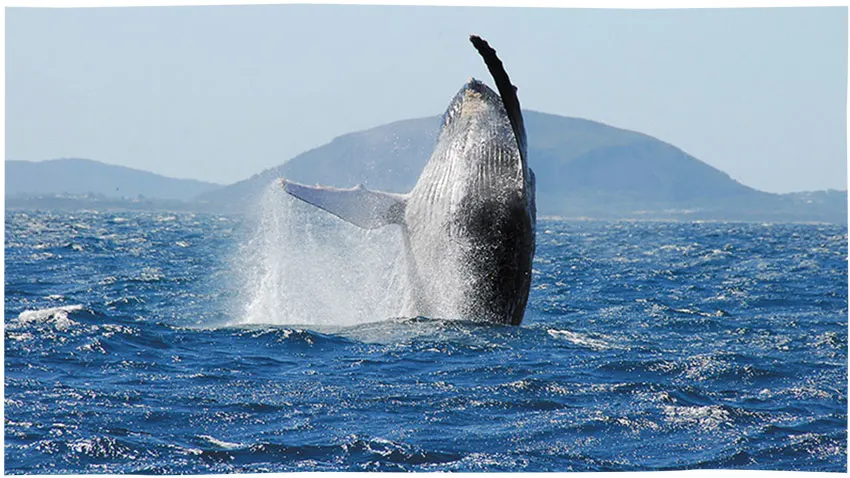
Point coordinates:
[(477, 141), (475, 104)]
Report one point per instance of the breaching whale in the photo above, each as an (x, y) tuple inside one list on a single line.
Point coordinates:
[(468, 224)]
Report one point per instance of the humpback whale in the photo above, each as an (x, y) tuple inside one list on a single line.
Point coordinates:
[(468, 224)]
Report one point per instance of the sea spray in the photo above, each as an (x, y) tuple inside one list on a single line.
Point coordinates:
[(303, 266)]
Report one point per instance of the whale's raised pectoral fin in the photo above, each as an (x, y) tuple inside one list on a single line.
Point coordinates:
[(507, 91), (359, 206)]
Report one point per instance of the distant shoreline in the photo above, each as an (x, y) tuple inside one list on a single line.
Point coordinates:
[(100, 204)]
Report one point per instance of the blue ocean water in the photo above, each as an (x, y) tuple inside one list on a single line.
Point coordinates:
[(181, 343)]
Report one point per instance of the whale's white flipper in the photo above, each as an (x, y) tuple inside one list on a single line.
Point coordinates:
[(358, 205)]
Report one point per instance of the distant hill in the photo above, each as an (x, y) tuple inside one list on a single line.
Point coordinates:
[(388, 158), (84, 176), (583, 169)]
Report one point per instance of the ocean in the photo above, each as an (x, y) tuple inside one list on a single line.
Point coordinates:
[(173, 343)]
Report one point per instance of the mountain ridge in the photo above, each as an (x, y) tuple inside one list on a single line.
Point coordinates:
[(584, 168), (78, 176)]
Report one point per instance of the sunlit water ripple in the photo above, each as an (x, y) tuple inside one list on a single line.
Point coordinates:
[(178, 343)]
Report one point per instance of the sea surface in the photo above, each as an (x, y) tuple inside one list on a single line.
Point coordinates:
[(188, 343)]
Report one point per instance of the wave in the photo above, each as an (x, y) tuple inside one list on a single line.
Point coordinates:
[(618, 366), (360, 452)]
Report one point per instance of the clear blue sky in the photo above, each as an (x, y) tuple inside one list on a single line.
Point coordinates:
[(219, 93)]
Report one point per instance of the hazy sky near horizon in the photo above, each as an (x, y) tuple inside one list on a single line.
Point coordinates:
[(219, 93)]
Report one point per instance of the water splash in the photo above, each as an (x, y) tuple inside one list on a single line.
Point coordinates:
[(303, 266)]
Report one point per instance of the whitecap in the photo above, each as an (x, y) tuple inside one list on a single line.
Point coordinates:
[(582, 340), (220, 443), (706, 417), (19, 337), (57, 316)]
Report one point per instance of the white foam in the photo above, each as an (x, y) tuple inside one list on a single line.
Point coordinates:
[(581, 340), (220, 443), (22, 337), (707, 417), (57, 316), (301, 265)]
